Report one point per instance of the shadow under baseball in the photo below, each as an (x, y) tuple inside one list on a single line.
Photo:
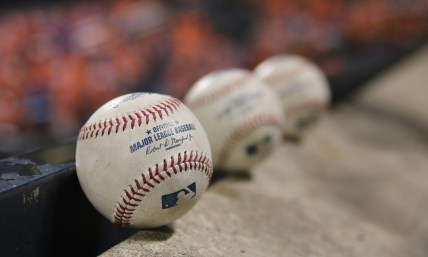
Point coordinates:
[(154, 234), (219, 175)]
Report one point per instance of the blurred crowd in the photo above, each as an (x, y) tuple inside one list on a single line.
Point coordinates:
[(61, 62)]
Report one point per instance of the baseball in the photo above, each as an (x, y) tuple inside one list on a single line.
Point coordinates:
[(302, 87), (143, 160), (241, 115)]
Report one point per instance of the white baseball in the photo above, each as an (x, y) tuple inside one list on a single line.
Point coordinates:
[(302, 87), (143, 160), (241, 115)]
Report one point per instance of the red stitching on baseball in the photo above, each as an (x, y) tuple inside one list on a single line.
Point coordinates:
[(105, 127), (133, 196), (152, 113), (227, 89), (244, 129), (169, 107)]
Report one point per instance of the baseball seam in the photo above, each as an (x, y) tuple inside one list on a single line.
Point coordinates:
[(209, 98), (120, 122), (132, 197), (244, 129)]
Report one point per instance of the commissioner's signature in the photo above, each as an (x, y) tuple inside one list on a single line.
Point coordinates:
[(169, 143)]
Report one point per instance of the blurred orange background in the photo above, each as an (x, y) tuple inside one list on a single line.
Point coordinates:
[(60, 62)]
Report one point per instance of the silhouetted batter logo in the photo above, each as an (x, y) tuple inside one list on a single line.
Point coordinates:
[(255, 148), (176, 198)]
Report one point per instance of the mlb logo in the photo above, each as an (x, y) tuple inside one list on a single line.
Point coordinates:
[(173, 199)]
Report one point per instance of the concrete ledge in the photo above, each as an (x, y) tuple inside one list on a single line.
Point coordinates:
[(356, 186)]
